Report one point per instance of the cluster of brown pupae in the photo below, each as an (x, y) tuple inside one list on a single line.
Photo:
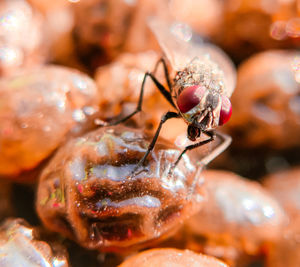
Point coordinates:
[(69, 68)]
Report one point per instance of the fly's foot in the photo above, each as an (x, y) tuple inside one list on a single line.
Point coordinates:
[(136, 171), (101, 123)]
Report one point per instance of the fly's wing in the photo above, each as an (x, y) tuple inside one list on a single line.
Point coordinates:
[(223, 61), (176, 41)]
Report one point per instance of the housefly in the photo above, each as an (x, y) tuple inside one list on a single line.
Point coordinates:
[(200, 80)]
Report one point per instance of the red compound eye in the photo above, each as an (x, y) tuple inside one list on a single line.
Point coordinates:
[(226, 110), (190, 97)]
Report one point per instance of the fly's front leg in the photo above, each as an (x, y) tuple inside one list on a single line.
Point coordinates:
[(211, 134), (225, 142), (165, 117)]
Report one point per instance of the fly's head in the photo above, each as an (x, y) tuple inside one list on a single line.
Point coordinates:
[(203, 109)]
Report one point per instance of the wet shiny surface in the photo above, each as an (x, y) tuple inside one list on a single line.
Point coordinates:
[(87, 191), (266, 100), (285, 187), (38, 109), (285, 253), (20, 245), (252, 26), (21, 36), (171, 257), (247, 214)]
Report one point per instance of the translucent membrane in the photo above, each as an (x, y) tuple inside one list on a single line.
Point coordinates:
[(181, 49)]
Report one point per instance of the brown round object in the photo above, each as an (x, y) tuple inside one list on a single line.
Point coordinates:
[(285, 252), (285, 187), (251, 26), (108, 27), (102, 24), (165, 257), (21, 36), (20, 245), (58, 26), (38, 109), (247, 216), (88, 194), (266, 101)]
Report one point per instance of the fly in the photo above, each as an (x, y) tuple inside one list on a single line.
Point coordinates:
[(203, 81)]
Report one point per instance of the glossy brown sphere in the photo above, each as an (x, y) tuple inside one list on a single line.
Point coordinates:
[(88, 193), (266, 101), (105, 28), (285, 252), (247, 215), (251, 26), (285, 187), (171, 257), (103, 23), (21, 36), (20, 245), (38, 109)]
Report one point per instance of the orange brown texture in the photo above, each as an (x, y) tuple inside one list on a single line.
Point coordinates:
[(171, 257), (238, 213), (251, 26), (21, 36), (38, 109), (87, 192), (20, 245), (285, 187), (266, 101), (285, 252)]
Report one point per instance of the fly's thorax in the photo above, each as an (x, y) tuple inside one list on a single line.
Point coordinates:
[(200, 71)]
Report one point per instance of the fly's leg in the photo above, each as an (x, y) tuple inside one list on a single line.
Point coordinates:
[(165, 117), (211, 135), (159, 86), (226, 140), (167, 76), (191, 190)]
